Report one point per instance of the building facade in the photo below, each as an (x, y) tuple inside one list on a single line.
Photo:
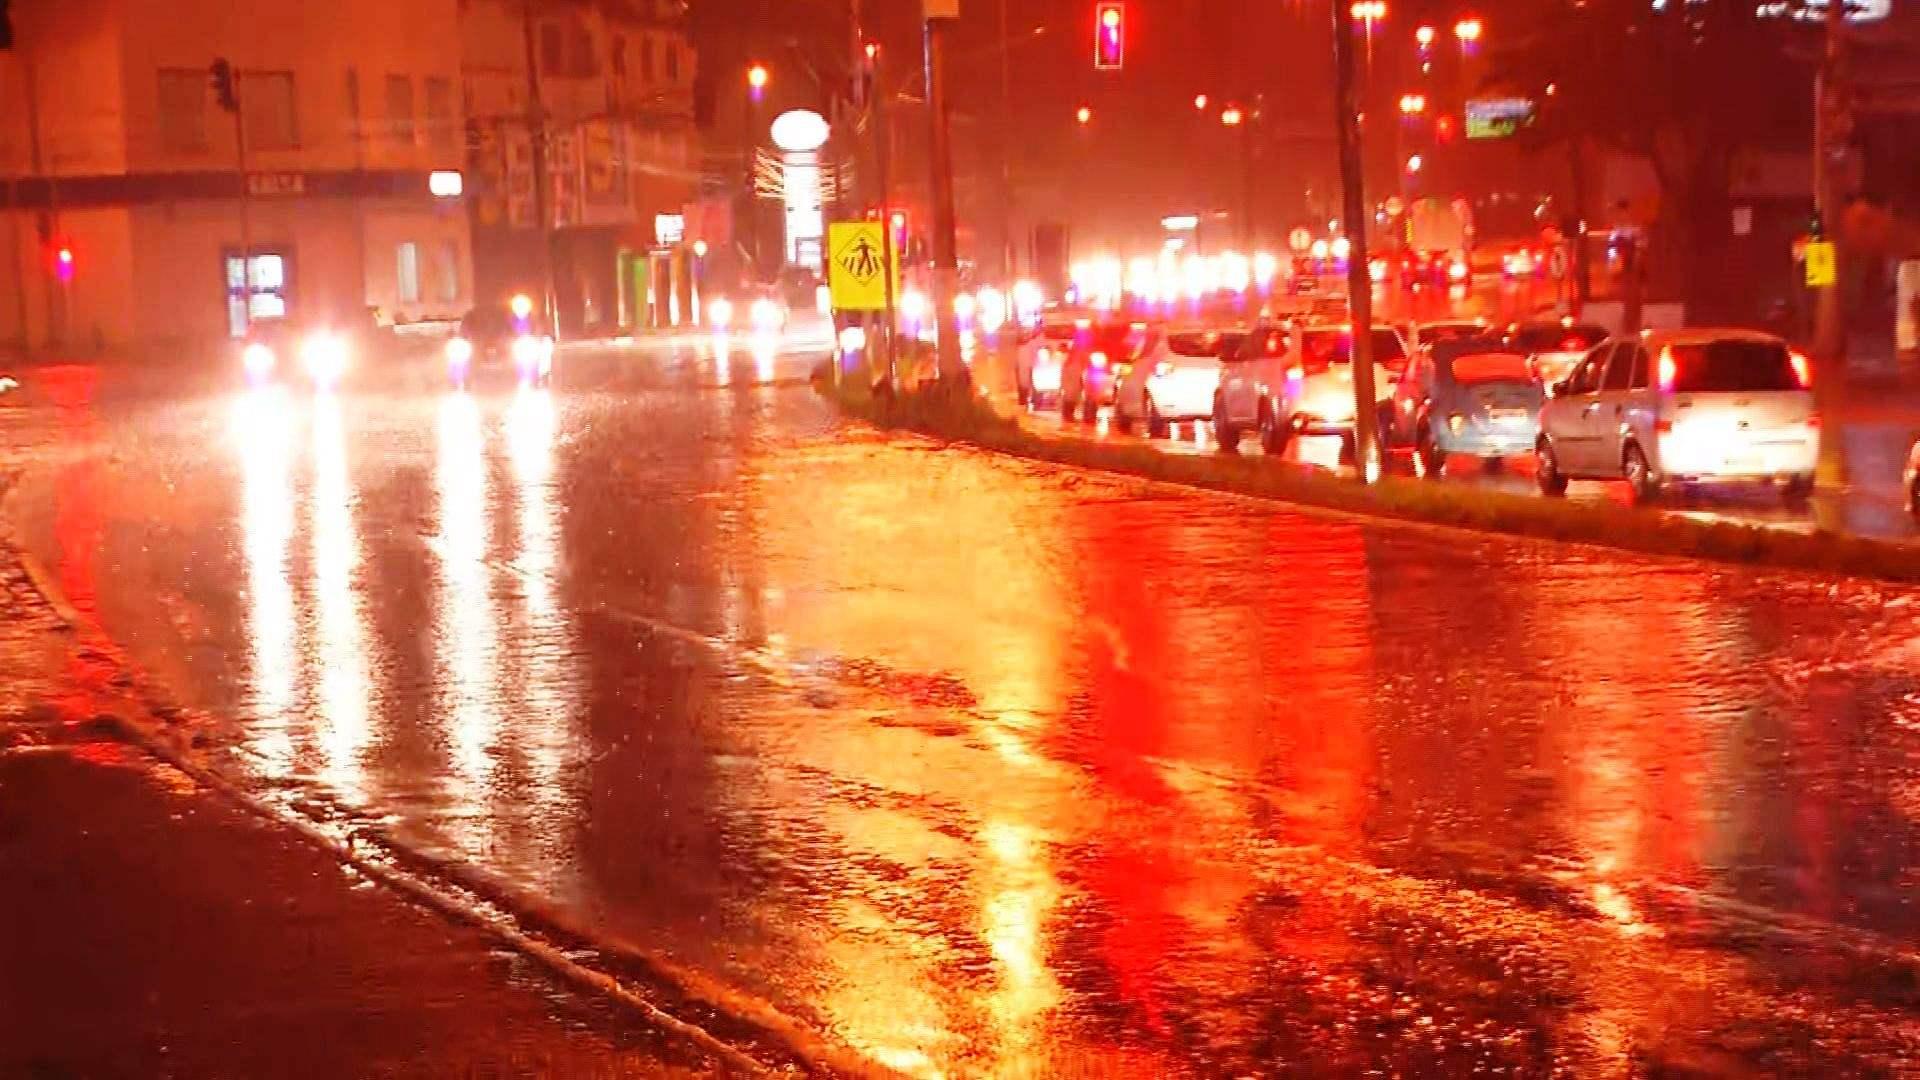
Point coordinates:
[(125, 195), (608, 85)]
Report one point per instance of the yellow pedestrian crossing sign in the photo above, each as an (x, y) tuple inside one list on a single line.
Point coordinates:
[(1822, 268), (856, 266)]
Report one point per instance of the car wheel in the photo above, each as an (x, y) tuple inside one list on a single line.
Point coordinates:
[(1429, 461), (1122, 422), (1797, 489), (1156, 424), (1089, 410), (1024, 395), (1553, 482), (1225, 432), (1275, 433), (1640, 480), (1067, 407)]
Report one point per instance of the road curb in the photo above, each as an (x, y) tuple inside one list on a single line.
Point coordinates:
[(461, 904)]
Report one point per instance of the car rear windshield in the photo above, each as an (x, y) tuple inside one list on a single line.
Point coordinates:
[(1491, 367), (1326, 347), (1712, 366), (1435, 333), (1556, 338), (1205, 342)]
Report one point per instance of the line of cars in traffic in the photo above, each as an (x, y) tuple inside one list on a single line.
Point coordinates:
[(1656, 409)]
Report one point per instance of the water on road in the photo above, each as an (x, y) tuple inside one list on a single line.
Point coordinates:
[(980, 767)]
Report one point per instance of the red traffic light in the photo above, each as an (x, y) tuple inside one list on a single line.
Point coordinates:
[(1109, 35)]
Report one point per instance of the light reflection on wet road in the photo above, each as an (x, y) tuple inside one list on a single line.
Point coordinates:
[(985, 768)]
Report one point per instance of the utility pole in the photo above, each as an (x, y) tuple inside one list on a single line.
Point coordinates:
[(878, 121), (1366, 451), (542, 185), (1832, 123), (1006, 154), (946, 259)]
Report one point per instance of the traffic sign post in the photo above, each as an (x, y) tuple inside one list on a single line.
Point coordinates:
[(857, 265), (1823, 267)]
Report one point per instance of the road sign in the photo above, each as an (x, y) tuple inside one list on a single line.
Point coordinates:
[(856, 269), (1822, 268)]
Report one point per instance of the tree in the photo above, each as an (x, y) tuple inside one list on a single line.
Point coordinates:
[(1687, 87)]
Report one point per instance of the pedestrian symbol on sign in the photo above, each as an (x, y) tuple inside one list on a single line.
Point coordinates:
[(857, 272), (862, 258)]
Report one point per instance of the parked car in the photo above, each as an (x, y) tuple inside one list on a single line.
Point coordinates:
[(1462, 398), (1175, 381), (1913, 480), (1555, 345), (1683, 406), (1288, 380)]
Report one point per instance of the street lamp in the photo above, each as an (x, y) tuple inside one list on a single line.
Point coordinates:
[(1200, 102), (1468, 31), (1369, 11), (1424, 36), (757, 80), (1231, 116), (1413, 104), (1415, 164), (1083, 115)]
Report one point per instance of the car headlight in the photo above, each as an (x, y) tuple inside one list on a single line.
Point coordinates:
[(459, 352), (325, 355), (719, 312), (257, 358), (526, 351), (765, 314)]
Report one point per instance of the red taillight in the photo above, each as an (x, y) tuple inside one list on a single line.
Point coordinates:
[(1663, 426), (1572, 344), (1669, 370), (1802, 368), (1813, 420)]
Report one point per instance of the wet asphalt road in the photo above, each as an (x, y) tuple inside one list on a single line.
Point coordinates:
[(985, 768)]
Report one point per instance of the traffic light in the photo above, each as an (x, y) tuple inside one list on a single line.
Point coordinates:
[(1109, 35), (220, 74)]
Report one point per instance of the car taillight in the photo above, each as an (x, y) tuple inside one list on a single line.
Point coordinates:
[(1802, 368), (1663, 426), (1669, 370), (1813, 421)]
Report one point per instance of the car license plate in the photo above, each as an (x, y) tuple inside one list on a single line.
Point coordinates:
[(1742, 463), (1508, 415)]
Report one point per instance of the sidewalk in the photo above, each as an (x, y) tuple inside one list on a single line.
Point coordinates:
[(151, 927)]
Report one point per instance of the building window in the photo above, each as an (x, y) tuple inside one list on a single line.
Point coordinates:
[(449, 276), (585, 64), (183, 109), (269, 116), (553, 49), (408, 269), (440, 126), (646, 58), (673, 61), (263, 300), (400, 108)]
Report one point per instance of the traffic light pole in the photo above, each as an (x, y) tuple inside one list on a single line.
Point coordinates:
[(1829, 328), (946, 265), (542, 185), (1366, 450)]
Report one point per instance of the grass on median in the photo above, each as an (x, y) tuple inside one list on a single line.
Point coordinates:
[(965, 417)]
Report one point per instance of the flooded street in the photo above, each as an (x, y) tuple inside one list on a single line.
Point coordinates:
[(979, 767)]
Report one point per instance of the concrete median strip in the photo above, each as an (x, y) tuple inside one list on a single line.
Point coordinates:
[(972, 421)]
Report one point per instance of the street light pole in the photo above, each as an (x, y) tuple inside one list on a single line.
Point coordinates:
[(1829, 327), (542, 193), (1366, 453), (946, 260)]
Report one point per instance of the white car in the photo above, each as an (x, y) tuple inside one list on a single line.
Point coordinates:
[(1175, 381), (1913, 481), (1554, 346), (1298, 380), (1683, 406)]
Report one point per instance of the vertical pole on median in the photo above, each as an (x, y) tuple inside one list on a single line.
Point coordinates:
[(1829, 327), (946, 262), (542, 190), (883, 164), (1366, 451)]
